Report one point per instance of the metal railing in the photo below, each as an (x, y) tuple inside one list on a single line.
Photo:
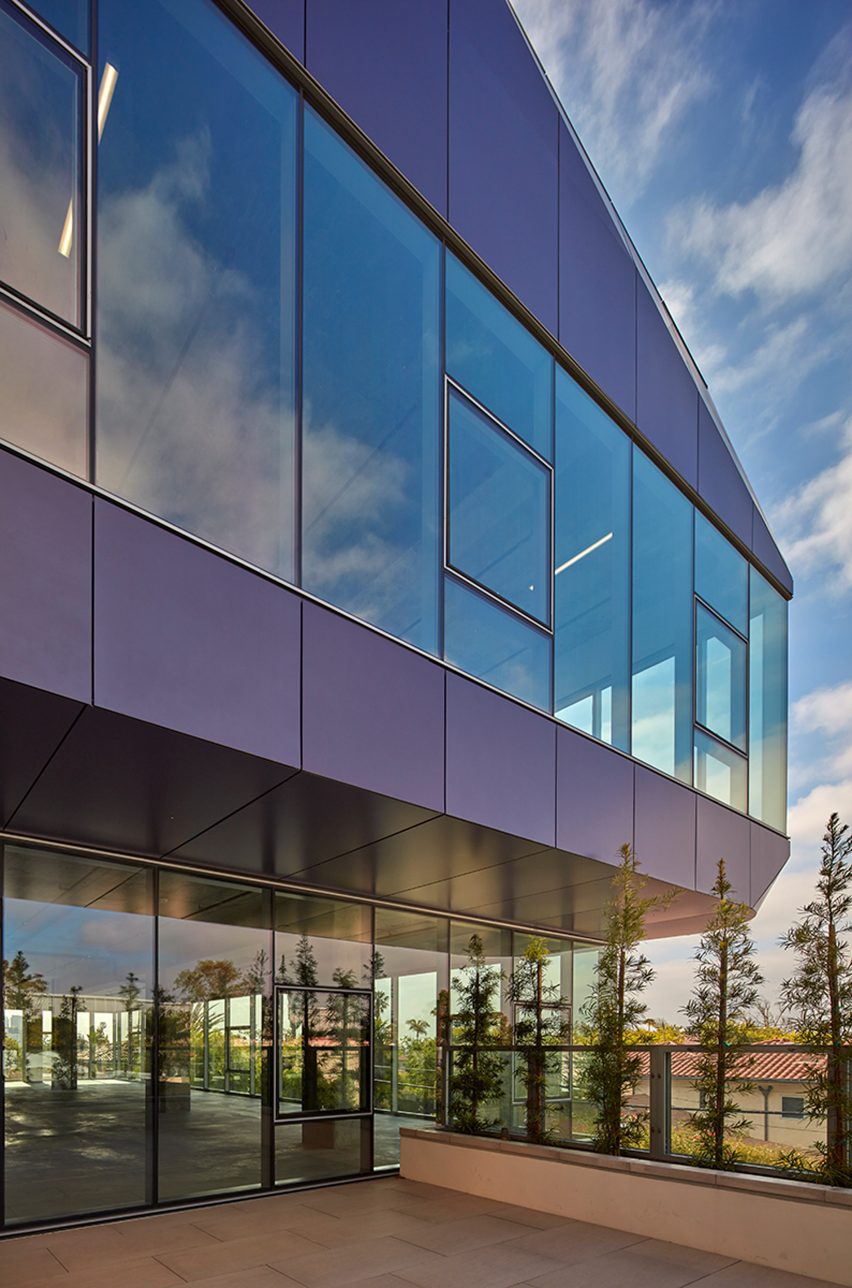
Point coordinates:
[(770, 1089)]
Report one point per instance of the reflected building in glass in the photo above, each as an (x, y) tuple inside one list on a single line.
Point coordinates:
[(374, 565)]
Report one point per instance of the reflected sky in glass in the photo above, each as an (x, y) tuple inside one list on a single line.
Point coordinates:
[(767, 704), (41, 211), (721, 574), (499, 510), (720, 678), (371, 396), (496, 645), (196, 306), (46, 416)]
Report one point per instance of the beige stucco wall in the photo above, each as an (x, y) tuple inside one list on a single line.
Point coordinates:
[(804, 1229)]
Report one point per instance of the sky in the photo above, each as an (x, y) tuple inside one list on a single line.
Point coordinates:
[(722, 130)]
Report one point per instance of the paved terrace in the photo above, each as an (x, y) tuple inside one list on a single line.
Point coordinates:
[(388, 1233)]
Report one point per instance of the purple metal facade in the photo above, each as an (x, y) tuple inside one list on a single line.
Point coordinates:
[(371, 55), (587, 771), (719, 480), (597, 282), (493, 746), (722, 834), (665, 828), (373, 713), (46, 575), (286, 20), (187, 640), (666, 396), (503, 154)]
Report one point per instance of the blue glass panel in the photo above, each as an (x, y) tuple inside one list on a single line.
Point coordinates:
[(662, 621), (497, 360), (372, 396), (767, 745), (721, 574), (499, 510), (196, 306), (720, 678), (42, 208), (592, 579), (69, 17), (493, 644), (719, 771)]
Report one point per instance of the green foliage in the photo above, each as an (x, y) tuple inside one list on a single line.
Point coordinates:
[(477, 1075), (22, 987), (818, 997), (614, 1011), (719, 1018), (541, 1020)]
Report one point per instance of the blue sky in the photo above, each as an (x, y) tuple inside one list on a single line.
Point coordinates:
[(722, 130)]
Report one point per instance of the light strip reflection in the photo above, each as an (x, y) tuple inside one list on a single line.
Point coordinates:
[(576, 558), (105, 93)]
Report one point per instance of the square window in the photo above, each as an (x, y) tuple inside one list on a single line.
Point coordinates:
[(792, 1106), (498, 510)]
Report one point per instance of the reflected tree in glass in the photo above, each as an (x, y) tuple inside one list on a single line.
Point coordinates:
[(477, 1025), (542, 1020)]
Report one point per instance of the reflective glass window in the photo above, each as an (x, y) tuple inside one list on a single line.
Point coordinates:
[(214, 978), (499, 510), (592, 573), (323, 1051), (767, 703), (42, 209), (719, 771), (321, 1150), (69, 17), (322, 941), (78, 975), (720, 678), (371, 396), (662, 622), (45, 383), (496, 645), (196, 253), (497, 360), (721, 574), (410, 1009)]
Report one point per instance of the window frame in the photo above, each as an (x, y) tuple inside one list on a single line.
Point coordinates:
[(62, 49), (787, 1112), (452, 386), (330, 1114), (697, 604)]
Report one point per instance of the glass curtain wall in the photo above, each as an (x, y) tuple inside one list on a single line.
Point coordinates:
[(78, 981), (195, 293), (214, 1035), (767, 703), (592, 572), (662, 622), (371, 407), (418, 393), (410, 1011)]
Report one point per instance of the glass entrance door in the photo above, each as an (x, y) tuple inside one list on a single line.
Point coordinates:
[(323, 1082)]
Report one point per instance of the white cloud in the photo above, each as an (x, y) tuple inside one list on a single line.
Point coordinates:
[(794, 237), (626, 72), (816, 522)]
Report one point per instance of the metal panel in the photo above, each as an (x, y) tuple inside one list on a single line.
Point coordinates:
[(597, 283), (719, 480), (665, 828), (46, 575), (122, 784), (594, 798), (769, 853), (304, 822), (190, 641), (32, 725), (503, 145), (666, 395), (764, 547), (722, 834), (386, 65), (501, 762), (286, 20), (373, 711)]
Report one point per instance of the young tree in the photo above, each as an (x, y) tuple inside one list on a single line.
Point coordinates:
[(615, 1009), (818, 996), (541, 1021), (477, 1072), (719, 1014)]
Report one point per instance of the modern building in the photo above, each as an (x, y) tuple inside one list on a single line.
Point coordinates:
[(373, 564)]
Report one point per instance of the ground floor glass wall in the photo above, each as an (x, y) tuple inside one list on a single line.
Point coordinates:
[(170, 1036)]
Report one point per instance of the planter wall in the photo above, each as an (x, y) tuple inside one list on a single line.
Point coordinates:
[(789, 1225)]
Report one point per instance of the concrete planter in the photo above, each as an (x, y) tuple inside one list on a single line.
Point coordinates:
[(788, 1225)]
